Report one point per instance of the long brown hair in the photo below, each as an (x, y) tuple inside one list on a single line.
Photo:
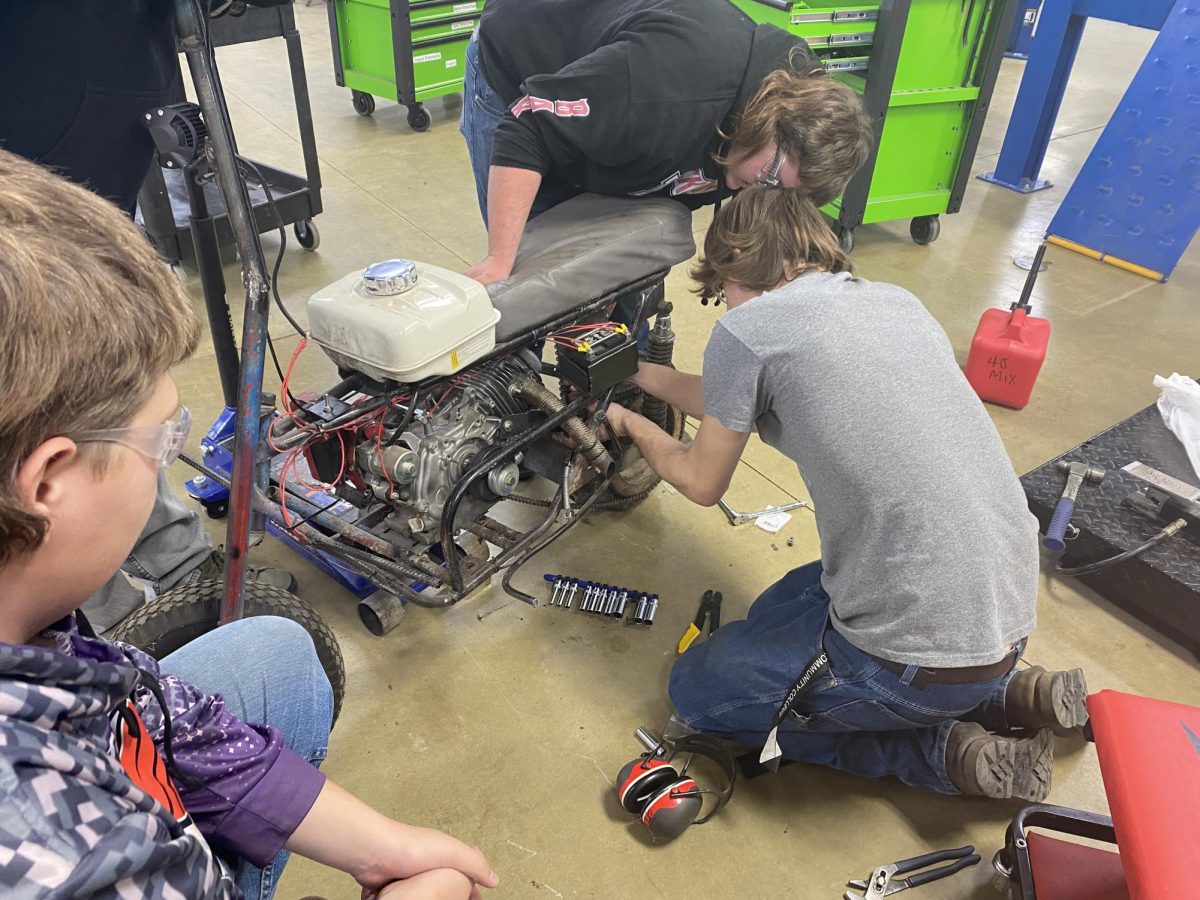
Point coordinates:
[(765, 236), (817, 121)]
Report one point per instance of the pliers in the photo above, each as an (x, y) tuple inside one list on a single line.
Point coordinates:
[(882, 882), (710, 610)]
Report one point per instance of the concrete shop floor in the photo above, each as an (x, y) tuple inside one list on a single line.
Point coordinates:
[(508, 732)]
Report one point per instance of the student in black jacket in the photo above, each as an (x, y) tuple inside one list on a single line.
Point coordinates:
[(78, 77), (681, 98)]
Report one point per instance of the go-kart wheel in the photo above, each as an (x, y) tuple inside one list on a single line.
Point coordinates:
[(174, 618), (633, 483), (364, 104)]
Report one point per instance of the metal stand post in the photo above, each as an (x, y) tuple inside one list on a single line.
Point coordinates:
[(222, 157)]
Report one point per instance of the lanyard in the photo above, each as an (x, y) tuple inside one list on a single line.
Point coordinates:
[(816, 666)]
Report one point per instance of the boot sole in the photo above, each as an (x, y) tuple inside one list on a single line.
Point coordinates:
[(1016, 767), (1068, 699)]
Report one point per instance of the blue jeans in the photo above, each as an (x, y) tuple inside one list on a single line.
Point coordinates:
[(482, 111), (859, 717), (286, 688), (171, 547)]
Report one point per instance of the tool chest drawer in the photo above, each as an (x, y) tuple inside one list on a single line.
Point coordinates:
[(438, 64), (824, 26), (422, 11), (459, 26), (839, 14)]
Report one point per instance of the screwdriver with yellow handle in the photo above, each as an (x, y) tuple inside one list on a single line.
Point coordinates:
[(710, 611)]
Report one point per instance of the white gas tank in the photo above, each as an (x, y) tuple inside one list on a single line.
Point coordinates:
[(400, 322)]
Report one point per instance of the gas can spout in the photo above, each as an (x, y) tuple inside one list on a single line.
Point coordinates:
[(1016, 323), (1030, 280)]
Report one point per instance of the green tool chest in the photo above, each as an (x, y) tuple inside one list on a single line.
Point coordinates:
[(926, 69), (409, 51)]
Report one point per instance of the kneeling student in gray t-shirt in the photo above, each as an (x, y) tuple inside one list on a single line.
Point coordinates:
[(898, 648)]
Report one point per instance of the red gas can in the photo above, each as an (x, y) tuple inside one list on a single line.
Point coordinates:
[(1009, 348), (1006, 355)]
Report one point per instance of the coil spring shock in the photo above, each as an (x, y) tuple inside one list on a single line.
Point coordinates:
[(660, 351)]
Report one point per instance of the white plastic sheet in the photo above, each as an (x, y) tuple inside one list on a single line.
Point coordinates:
[(1179, 405)]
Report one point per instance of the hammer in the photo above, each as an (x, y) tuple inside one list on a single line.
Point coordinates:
[(1077, 474)]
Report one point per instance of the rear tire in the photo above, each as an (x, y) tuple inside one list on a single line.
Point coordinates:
[(175, 618), (635, 481)]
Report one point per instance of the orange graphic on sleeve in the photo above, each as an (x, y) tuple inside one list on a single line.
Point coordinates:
[(141, 761)]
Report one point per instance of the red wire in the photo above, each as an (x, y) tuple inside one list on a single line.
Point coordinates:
[(284, 400), (441, 398), (379, 451)]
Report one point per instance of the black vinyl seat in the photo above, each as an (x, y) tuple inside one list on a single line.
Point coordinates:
[(586, 248)]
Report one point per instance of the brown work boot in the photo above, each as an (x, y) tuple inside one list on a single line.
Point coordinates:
[(987, 765), (1036, 698)]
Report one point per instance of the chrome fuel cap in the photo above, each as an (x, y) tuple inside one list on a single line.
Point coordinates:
[(392, 276)]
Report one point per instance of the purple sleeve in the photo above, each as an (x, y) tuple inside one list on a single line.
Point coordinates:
[(245, 790)]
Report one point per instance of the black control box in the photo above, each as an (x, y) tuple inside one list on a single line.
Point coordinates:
[(597, 359)]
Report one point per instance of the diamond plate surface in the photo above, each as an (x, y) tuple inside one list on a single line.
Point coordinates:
[(1161, 585)]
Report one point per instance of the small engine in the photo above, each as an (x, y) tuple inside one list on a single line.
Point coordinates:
[(413, 465), (402, 327)]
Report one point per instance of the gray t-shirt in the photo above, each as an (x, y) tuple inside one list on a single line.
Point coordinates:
[(929, 549)]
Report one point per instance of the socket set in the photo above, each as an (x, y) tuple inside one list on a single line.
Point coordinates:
[(610, 601)]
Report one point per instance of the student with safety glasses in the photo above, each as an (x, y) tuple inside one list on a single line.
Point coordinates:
[(687, 99), (125, 776)]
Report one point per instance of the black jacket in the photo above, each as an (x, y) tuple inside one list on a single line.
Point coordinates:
[(77, 76), (624, 97)]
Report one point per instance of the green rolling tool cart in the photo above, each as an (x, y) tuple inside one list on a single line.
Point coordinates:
[(925, 69), (409, 51)]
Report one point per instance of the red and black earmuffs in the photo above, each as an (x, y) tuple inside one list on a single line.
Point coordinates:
[(668, 800)]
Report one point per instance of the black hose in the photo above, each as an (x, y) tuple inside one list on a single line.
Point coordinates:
[(1087, 569), (404, 423)]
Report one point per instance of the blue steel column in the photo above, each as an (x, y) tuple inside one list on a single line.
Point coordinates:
[(1023, 27), (1051, 56)]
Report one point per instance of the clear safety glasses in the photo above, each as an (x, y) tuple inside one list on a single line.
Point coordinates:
[(161, 443), (769, 174)]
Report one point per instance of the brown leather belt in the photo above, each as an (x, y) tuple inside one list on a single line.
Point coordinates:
[(965, 675)]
